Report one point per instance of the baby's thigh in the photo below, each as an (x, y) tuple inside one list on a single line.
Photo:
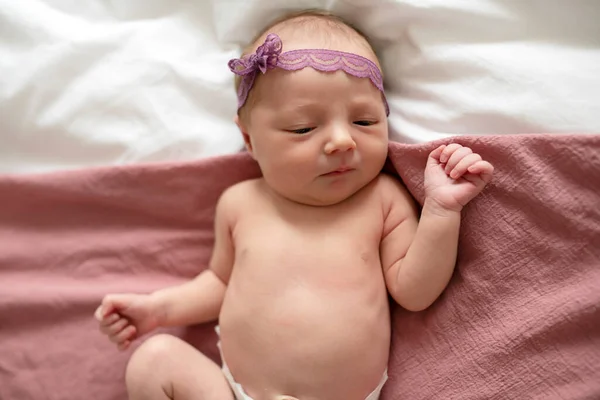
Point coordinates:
[(165, 364)]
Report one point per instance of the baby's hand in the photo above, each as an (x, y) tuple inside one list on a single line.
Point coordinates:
[(126, 317), (454, 175)]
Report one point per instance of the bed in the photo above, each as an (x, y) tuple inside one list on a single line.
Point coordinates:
[(116, 138)]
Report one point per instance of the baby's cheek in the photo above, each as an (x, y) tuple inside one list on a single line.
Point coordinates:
[(286, 161), (285, 174), (273, 170)]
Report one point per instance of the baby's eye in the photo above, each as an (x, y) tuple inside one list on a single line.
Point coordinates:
[(364, 123), (302, 131)]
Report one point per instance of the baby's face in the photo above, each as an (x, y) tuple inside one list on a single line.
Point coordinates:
[(318, 137)]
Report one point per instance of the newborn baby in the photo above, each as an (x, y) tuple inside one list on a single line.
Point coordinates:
[(305, 256)]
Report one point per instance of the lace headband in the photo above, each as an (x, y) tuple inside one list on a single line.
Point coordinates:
[(269, 56)]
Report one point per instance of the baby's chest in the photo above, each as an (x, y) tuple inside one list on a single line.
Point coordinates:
[(314, 239)]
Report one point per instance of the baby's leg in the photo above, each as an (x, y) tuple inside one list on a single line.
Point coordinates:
[(165, 367)]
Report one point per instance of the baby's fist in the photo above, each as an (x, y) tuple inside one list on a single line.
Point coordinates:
[(125, 317), (455, 175)]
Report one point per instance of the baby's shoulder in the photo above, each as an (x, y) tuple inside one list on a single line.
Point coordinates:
[(239, 193), (388, 184), (391, 191)]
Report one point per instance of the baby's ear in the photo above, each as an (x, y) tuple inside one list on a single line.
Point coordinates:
[(247, 141)]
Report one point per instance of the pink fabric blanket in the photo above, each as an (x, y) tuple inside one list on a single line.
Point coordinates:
[(520, 318)]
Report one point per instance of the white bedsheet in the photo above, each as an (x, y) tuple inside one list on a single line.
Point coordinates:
[(93, 82)]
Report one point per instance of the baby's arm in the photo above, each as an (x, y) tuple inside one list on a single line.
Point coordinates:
[(418, 257), (200, 299), (125, 317)]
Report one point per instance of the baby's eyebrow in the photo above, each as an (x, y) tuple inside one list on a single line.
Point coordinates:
[(368, 104), (307, 107), (301, 108)]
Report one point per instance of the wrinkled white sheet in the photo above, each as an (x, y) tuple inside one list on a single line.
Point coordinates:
[(94, 82)]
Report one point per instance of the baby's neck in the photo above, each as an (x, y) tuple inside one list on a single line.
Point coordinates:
[(282, 199)]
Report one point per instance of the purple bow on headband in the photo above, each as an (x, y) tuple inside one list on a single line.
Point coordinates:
[(269, 56), (265, 58)]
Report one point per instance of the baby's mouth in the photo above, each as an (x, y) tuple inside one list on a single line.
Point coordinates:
[(339, 171)]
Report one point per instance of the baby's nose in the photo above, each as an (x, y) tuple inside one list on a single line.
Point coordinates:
[(340, 140)]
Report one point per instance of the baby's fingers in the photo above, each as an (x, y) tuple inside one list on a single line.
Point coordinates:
[(98, 314), (109, 320), (125, 345), (448, 151), (456, 157), (124, 335), (434, 156), (437, 152), (482, 168), (116, 327), (461, 168)]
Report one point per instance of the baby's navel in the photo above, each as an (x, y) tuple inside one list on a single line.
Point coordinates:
[(365, 257)]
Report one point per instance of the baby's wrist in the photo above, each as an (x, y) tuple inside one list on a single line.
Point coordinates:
[(435, 208), (158, 308)]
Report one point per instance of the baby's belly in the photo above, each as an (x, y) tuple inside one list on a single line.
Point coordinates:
[(322, 333)]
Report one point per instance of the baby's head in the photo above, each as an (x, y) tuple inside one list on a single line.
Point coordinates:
[(314, 120)]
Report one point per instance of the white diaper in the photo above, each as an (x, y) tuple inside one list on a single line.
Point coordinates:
[(239, 393)]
